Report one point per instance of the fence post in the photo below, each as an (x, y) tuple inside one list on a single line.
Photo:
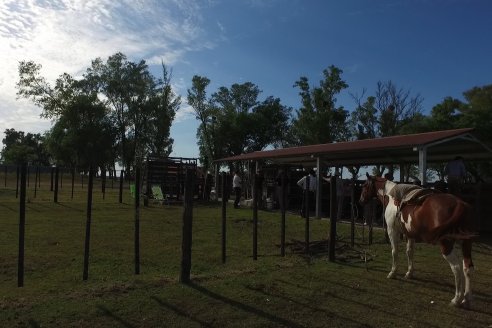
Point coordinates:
[(73, 179), (51, 176), (22, 226), (282, 211), (137, 219), (17, 182), (186, 240), (88, 224), (333, 218), (255, 216), (307, 208), (36, 181), (5, 176), (224, 207), (352, 214), (120, 199), (57, 171)]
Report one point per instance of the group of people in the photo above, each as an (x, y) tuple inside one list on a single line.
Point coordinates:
[(455, 172)]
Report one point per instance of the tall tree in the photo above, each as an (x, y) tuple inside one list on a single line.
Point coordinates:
[(319, 120), (21, 147), (234, 121)]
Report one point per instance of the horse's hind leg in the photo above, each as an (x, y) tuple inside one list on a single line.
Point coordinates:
[(410, 251), (454, 262), (467, 270)]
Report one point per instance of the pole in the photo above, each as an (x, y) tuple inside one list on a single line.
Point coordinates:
[(306, 232), (282, 211), (186, 241), (57, 170), (120, 199), (88, 224), (22, 227), (255, 216), (224, 209), (137, 219), (333, 218)]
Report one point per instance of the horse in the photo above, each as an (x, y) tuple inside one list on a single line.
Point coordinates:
[(439, 218)]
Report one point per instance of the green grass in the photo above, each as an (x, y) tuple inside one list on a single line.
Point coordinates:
[(274, 291)]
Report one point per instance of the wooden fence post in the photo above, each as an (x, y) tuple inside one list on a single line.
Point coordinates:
[(17, 182), (283, 195), (333, 218), (224, 209), (307, 208), (36, 182), (120, 199), (186, 240), (73, 180), (22, 226), (255, 216), (88, 224), (137, 219), (57, 172)]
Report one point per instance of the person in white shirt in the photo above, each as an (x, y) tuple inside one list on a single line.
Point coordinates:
[(307, 181), (236, 185)]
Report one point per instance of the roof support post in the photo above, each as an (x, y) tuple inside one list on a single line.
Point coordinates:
[(423, 165), (318, 189)]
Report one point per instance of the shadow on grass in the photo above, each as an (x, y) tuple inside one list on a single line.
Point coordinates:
[(105, 311), (33, 323), (244, 307), (180, 311)]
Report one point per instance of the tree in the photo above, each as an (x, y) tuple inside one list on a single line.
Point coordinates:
[(20, 147), (319, 120), (234, 121), (83, 135), (391, 111), (120, 93), (142, 107)]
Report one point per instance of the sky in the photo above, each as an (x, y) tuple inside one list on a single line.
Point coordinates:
[(433, 48)]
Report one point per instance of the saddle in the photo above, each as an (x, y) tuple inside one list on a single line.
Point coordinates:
[(413, 199), (417, 197)]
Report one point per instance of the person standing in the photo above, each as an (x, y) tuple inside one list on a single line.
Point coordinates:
[(236, 185), (456, 172), (308, 184)]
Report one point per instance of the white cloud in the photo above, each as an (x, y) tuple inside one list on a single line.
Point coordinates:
[(65, 35)]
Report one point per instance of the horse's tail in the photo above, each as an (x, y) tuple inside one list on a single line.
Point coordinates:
[(459, 226)]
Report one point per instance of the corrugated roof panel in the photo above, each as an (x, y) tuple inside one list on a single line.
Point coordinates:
[(384, 144)]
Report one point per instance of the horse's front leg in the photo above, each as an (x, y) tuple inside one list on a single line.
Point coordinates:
[(394, 239), (410, 251)]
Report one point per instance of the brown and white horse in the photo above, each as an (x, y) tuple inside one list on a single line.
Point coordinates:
[(440, 218)]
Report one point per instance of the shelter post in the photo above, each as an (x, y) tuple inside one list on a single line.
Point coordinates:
[(423, 165), (283, 192)]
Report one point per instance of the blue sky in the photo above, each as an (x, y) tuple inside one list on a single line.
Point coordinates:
[(435, 48)]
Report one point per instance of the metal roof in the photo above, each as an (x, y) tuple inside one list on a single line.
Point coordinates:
[(440, 146)]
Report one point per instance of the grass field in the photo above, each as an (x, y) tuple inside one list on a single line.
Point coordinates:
[(274, 291)]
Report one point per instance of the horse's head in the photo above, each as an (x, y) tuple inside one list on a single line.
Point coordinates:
[(369, 189)]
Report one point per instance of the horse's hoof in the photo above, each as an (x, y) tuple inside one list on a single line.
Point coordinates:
[(465, 304), (391, 275), (409, 275)]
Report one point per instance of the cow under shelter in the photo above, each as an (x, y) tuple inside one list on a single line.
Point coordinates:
[(402, 151)]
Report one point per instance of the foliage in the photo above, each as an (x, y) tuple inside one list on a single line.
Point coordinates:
[(118, 104), (234, 121), (319, 120), (20, 147)]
